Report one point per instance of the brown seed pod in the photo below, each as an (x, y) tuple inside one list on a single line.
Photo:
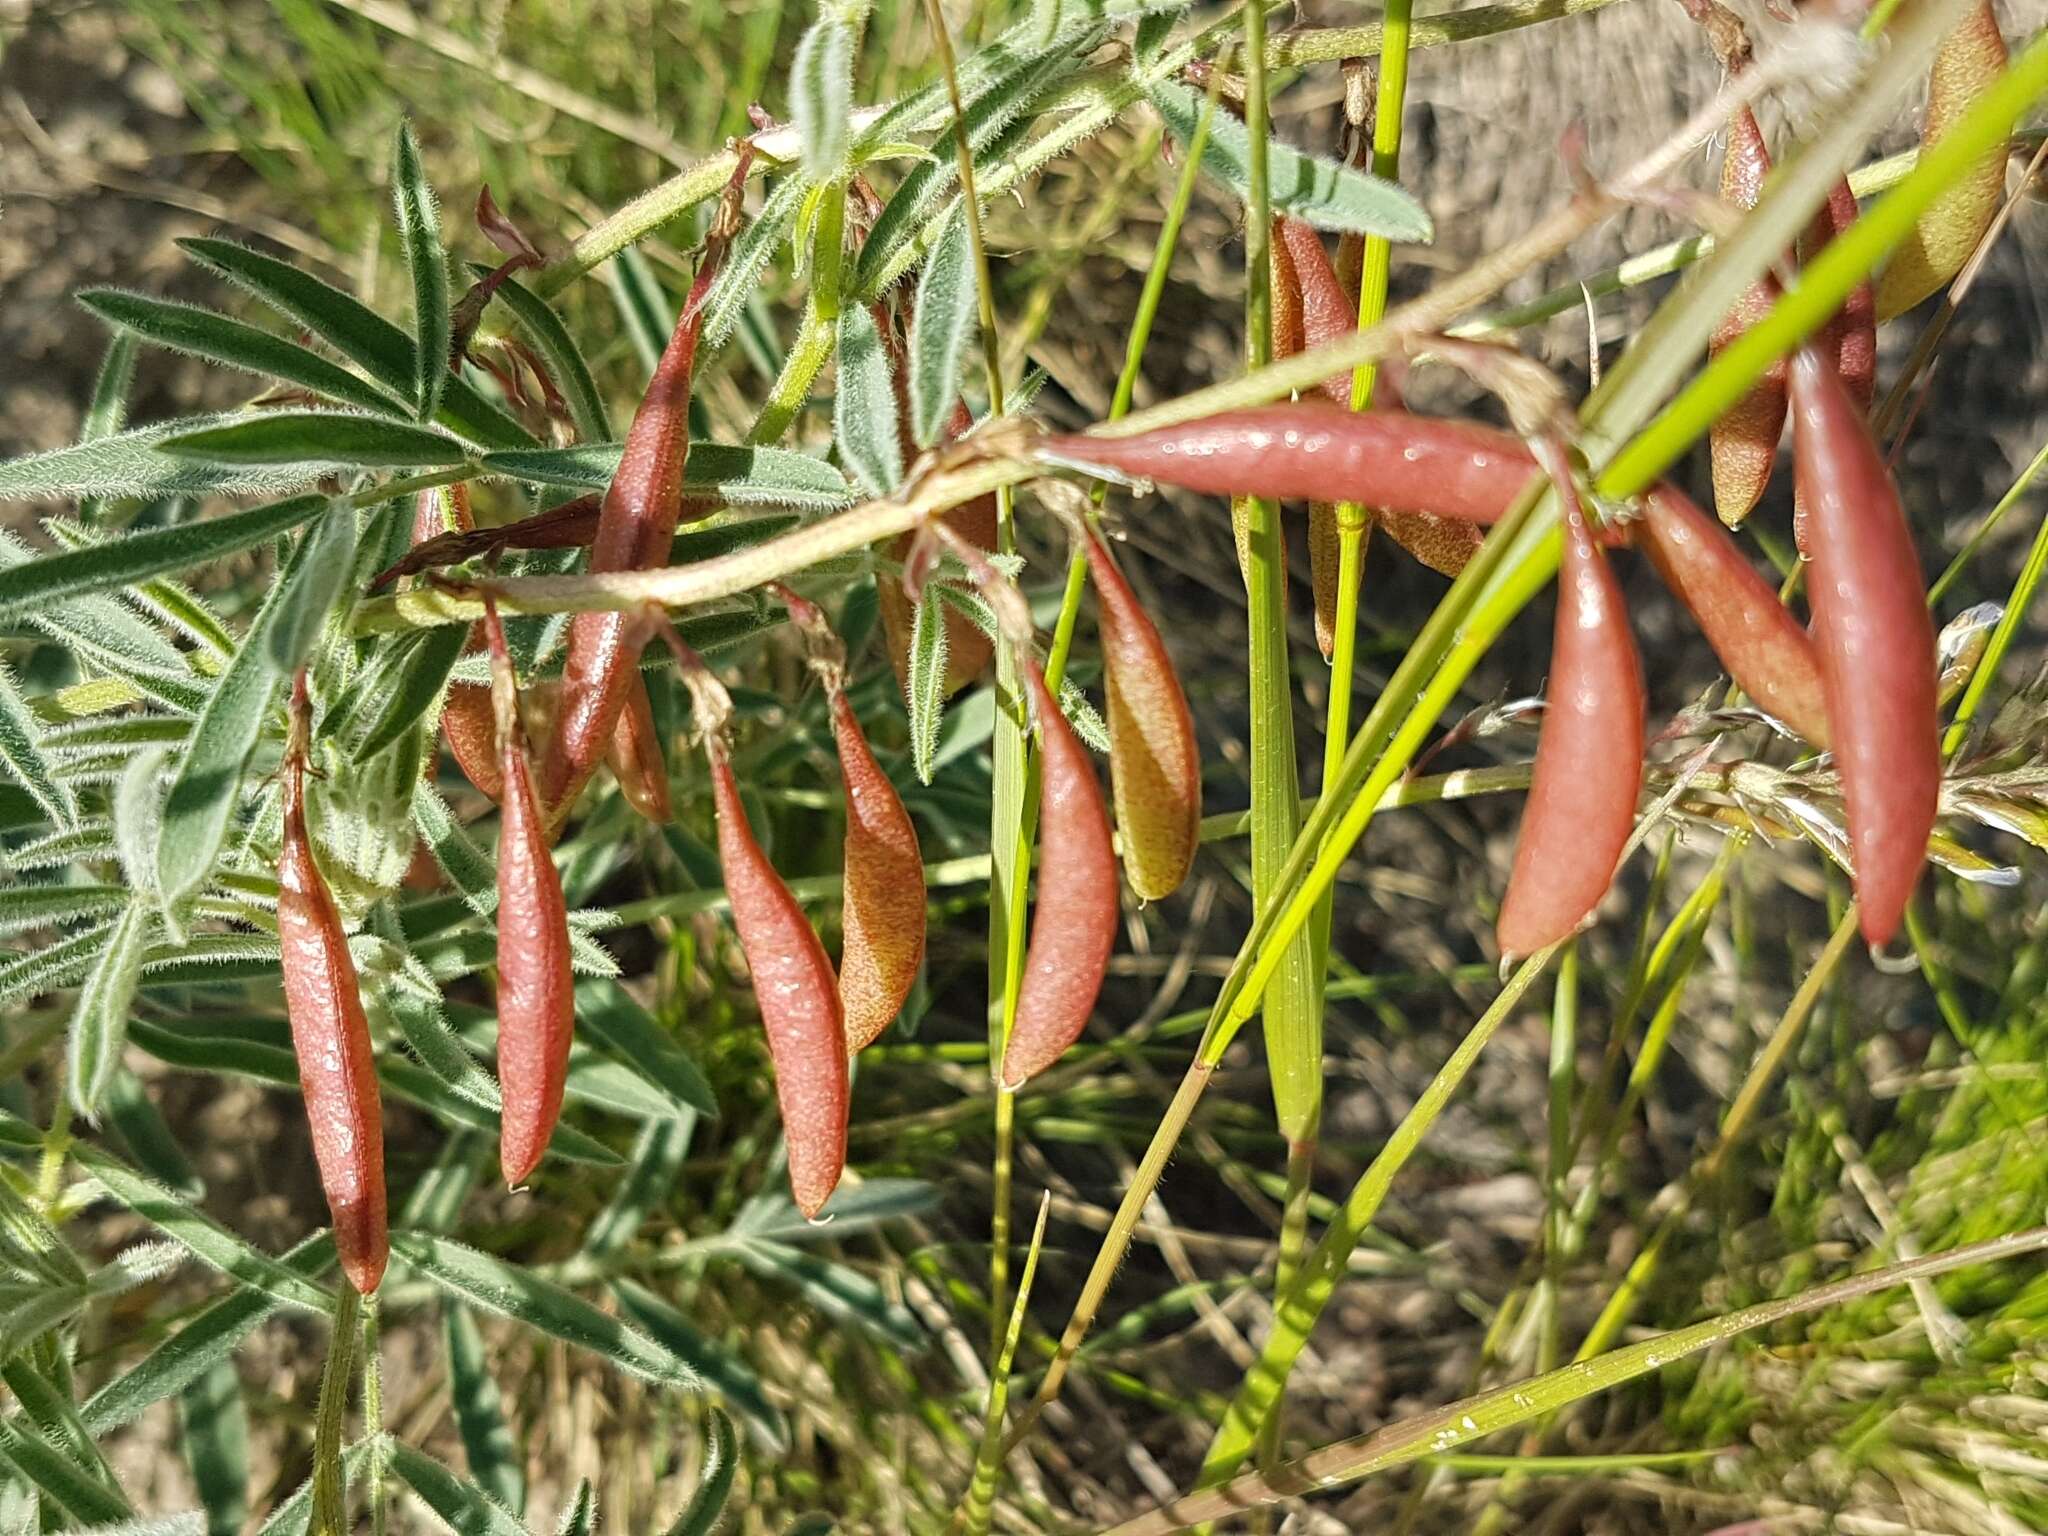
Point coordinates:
[(1743, 444), (884, 915), (1941, 241), (636, 759), (1073, 929), (536, 992), (799, 998), (330, 1033), (1765, 649), (1155, 771)]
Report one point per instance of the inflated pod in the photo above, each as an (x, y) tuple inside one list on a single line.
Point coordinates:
[(1589, 758), (330, 1034), (884, 914), (635, 757), (1848, 343), (1941, 241), (1287, 337), (1155, 771), (1875, 638), (1743, 444), (1073, 928), (1765, 649), (798, 996), (536, 991), (1315, 451)]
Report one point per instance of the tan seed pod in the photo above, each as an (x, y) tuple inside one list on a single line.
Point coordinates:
[(885, 894), (1941, 241), (1155, 770), (1743, 444)]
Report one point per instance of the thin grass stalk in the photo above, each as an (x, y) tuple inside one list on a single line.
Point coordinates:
[(1008, 831)]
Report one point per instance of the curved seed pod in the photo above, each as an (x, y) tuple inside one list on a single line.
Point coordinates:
[(1743, 444), (1074, 928), (636, 758), (1765, 649), (569, 525), (1589, 759), (799, 998), (1326, 308), (884, 914), (1288, 317), (1311, 450), (330, 1034), (536, 993), (1155, 772), (1876, 642), (1849, 340), (635, 526), (1972, 56)]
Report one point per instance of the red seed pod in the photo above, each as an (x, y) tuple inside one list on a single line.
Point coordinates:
[(1326, 309), (571, 525), (1743, 444), (1876, 641), (884, 915), (1311, 450), (1941, 241), (330, 1033), (636, 758), (468, 724), (1589, 759), (1288, 318), (1155, 771), (536, 992), (799, 998), (1073, 929), (635, 526), (1765, 649)]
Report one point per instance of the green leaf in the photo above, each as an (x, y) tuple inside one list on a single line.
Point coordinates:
[(417, 675), (202, 796), (318, 580), (618, 1024), (840, 1293), (641, 304), (108, 411), (139, 818), (734, 1380), (939, 335), (295, 1515), (1004, 103), (204, 1342), (579, 1517), (133, 463), (201, 332), (23, 907), (737, 476), (326, 440), (714, 1483), (140, 1127), (1326, 194), (414, 1008), (927, 681), (214, 1426), (540, 1304), (459, 857), (655, 1166), (557, 348), (22, 755), (58, 1478), (821, 96), (855, 1208), (738, 283), (211, 1244), (419, 231), (464, 1508), (494, 1456), (864, 409), (99, 1023), (354, 330), (128, 560)]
